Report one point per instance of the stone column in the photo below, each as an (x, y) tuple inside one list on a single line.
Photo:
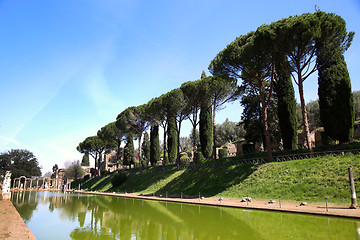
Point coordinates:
[(352, 189)]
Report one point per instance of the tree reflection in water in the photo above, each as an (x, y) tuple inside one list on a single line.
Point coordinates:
[(105, 217)]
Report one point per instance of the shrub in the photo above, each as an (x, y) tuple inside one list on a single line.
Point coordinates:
[(223, 152), (172, 140), (154, 145), (104, 172), (184, 157), (118, 178), (206, 130), (86, 177), (199, 156)]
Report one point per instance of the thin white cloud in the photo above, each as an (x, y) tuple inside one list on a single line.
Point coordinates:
[(10, 136), (96, 83), (12, 143), (64, 152)]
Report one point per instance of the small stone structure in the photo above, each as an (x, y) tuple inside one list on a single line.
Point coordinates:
[(110, 164), (302, 140), (357, 131), (6, 194)]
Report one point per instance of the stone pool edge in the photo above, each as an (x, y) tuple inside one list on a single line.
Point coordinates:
[(12, 225)]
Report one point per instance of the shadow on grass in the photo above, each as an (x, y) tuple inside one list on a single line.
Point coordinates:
[(101, 183), (96, 183), (208, 181), (87, 185), (141, 182)]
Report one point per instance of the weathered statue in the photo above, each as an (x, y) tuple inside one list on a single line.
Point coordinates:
[(6, 194)]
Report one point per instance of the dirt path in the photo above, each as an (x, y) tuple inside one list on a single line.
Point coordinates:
[(11, 224), (286, 206)]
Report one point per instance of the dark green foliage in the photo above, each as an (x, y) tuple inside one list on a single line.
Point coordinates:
[(104, 172), (95, 146), (20, 162), (203, 75), (335, 98), (313, 111), (184, 158), (206, 130), (172, 139), (86, 177), (186, 143), (248, 148), (228, 132), (146, 149), (223, 152), (219, 89), (194, 97), (114, 135), (158, 111), (199, 156), (118, 178), (179, 110), (74, 171), (336, 101), (356, 95), (286, 104), (54, 169), (85, 160), (154, 145), (325, 140), (165, 159), (129, 153), (5, 163), (252, 120), (134, 120)]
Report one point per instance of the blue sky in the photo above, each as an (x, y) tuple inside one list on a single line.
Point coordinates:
[(68, 67)]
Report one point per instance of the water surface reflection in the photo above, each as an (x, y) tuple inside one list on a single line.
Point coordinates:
[(79, 216)]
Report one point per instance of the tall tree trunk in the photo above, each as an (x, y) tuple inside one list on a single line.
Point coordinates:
[(164, 157), (140, 159), (118, 155), (214, 135), (99, 161), (194, 136), (194, 143), (96, 163), (178, 146), (266, 125), (304, 113)]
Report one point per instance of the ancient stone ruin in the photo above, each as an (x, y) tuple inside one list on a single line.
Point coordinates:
[(6, 194)]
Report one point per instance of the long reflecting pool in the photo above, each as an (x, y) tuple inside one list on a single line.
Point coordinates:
[(79, 216)]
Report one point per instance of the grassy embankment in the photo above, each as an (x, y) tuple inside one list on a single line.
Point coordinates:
[(299, 180)]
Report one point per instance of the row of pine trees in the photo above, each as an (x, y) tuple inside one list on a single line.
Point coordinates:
[(259, 68)]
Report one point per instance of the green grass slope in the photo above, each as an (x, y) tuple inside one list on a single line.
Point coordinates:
[(300, 180)]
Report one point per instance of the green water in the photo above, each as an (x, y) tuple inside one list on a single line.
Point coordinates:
[(79, 216)]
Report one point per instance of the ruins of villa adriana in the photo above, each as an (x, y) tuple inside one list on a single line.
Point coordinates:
[(45, 183)]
